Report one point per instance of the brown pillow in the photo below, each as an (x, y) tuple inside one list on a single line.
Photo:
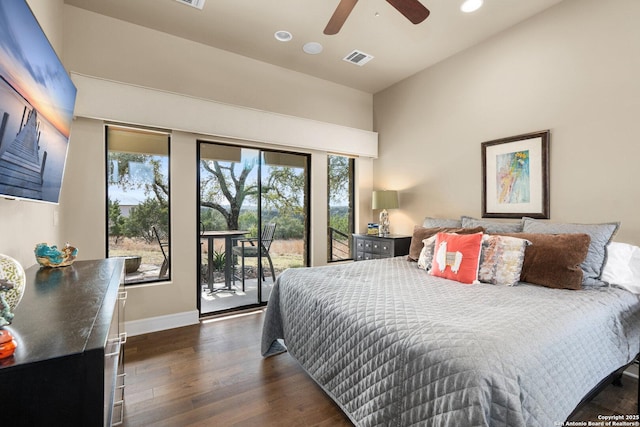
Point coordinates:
[(553, 260), (421, 233)]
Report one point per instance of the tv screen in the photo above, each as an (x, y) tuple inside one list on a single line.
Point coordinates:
[(37, 98)]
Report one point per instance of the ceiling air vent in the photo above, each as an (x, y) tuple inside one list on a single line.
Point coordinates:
[(357, 57), (198, 4)]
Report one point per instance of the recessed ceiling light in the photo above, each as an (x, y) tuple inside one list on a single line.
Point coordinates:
[(471, 5), (283, 36), (312, 48)]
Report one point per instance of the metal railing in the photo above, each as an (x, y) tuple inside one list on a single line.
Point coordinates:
[(339, 245)]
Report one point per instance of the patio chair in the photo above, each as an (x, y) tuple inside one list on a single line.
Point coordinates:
[(164, 269), (247, 248)]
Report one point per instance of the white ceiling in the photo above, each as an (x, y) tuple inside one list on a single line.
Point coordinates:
[(400, 48)]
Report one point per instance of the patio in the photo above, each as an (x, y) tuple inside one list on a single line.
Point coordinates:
[(224, 300), (216, 301)]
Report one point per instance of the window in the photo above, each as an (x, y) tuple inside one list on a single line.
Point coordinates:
[(341, 185), (138, 202)]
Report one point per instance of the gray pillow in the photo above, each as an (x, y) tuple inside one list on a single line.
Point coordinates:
[(441, 222), (601, 235), (492, 227)]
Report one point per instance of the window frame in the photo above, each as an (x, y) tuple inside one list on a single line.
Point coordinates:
[(107, 151)]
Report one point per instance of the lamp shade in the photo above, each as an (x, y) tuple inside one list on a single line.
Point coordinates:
[(387, 199)]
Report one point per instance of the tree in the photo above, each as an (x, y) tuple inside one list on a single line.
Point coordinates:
[(285, 191), (131, 171), (226, 186), (116, 220), (340, 174), (226, 183), (148, 214)]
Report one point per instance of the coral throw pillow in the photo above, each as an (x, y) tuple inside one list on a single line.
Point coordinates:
[(456, 257)]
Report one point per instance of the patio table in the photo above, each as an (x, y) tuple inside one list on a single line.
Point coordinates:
[(228, 236)]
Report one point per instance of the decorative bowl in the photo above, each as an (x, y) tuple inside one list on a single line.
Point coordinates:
[(51, 256), (12, 284)]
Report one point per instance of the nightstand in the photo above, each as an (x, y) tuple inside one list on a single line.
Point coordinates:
[(374, 247)]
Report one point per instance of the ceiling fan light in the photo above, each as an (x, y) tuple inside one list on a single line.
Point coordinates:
[(283, 36), (469, 6)]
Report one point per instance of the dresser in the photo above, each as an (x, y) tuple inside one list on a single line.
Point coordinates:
[(374, 247), (68, 367)]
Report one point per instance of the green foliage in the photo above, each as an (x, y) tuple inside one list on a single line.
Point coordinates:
[(285, 191), (211, 219), (219, 260), (289, 227), (340, 221), (150, 175), (339, 178), (149, 213), (248, 221), (116, 220)]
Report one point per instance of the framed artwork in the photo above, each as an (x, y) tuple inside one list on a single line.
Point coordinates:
[(515, 176)]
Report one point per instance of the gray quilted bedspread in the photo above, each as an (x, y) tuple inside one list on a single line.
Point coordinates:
[(394, 346)]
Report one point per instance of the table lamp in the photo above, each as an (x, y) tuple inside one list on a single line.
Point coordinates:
[(387, 199)]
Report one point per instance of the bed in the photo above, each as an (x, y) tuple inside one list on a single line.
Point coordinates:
[(393, 345)]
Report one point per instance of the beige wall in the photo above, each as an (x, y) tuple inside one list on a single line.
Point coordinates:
[(24, 224), (572, 69), (105, 47)]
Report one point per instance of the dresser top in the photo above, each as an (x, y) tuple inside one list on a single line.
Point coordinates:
[(64, 310)]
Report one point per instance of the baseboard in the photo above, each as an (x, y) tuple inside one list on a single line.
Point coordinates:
[(161, 323)]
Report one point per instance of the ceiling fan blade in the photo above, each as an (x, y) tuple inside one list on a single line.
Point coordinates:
[(413, 10), (339, 16)]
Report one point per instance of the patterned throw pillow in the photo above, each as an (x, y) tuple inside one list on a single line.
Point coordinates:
[(426, 255), (501, 259), (456, 257)]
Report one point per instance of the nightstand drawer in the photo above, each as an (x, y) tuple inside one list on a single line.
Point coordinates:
[(386, 249), (370, 246)]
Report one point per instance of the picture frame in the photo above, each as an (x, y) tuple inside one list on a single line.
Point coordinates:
[(515, 176)]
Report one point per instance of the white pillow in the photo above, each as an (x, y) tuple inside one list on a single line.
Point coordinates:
[(623, 266)]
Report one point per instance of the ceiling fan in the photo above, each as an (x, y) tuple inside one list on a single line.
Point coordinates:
[(413, 10)]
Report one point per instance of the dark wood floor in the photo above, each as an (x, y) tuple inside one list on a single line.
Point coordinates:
[(212, 374)]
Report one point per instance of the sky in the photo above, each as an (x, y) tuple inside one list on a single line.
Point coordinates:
[(31, 66)]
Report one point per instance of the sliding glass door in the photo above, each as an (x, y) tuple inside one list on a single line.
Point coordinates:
[(253, 223)]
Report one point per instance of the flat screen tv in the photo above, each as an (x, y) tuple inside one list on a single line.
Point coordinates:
[(37, 98)]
